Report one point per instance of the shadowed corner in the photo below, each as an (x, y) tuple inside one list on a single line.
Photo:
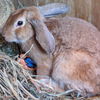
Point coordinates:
[(0, 30), (54, 9)]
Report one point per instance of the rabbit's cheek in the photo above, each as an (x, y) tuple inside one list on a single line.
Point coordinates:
[(22, 34)]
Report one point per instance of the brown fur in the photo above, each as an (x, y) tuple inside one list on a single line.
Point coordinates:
[(75, 62)]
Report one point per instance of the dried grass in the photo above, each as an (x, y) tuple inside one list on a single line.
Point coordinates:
[(19, 84), (6, 7)]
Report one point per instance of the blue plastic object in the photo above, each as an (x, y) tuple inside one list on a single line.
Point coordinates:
[(30, 63)]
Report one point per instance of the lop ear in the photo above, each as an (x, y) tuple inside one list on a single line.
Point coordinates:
[(43, 35)]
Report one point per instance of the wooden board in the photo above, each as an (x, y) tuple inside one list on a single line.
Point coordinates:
[(96, 13)]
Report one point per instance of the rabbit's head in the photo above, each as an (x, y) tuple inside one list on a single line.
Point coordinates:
[(26, 23)]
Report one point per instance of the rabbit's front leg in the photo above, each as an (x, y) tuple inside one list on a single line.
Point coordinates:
[(43, 75)]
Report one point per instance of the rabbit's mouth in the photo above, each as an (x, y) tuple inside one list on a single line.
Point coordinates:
[(20, 41)]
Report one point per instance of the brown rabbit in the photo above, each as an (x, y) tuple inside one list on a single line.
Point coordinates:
[(66, 49)]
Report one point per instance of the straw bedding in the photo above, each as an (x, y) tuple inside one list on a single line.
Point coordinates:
[(19, 84)]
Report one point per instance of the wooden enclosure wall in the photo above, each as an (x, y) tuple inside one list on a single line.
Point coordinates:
[(96, 13), (85, 9)]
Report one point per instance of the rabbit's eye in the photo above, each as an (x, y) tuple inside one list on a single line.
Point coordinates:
[(20, 23)]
